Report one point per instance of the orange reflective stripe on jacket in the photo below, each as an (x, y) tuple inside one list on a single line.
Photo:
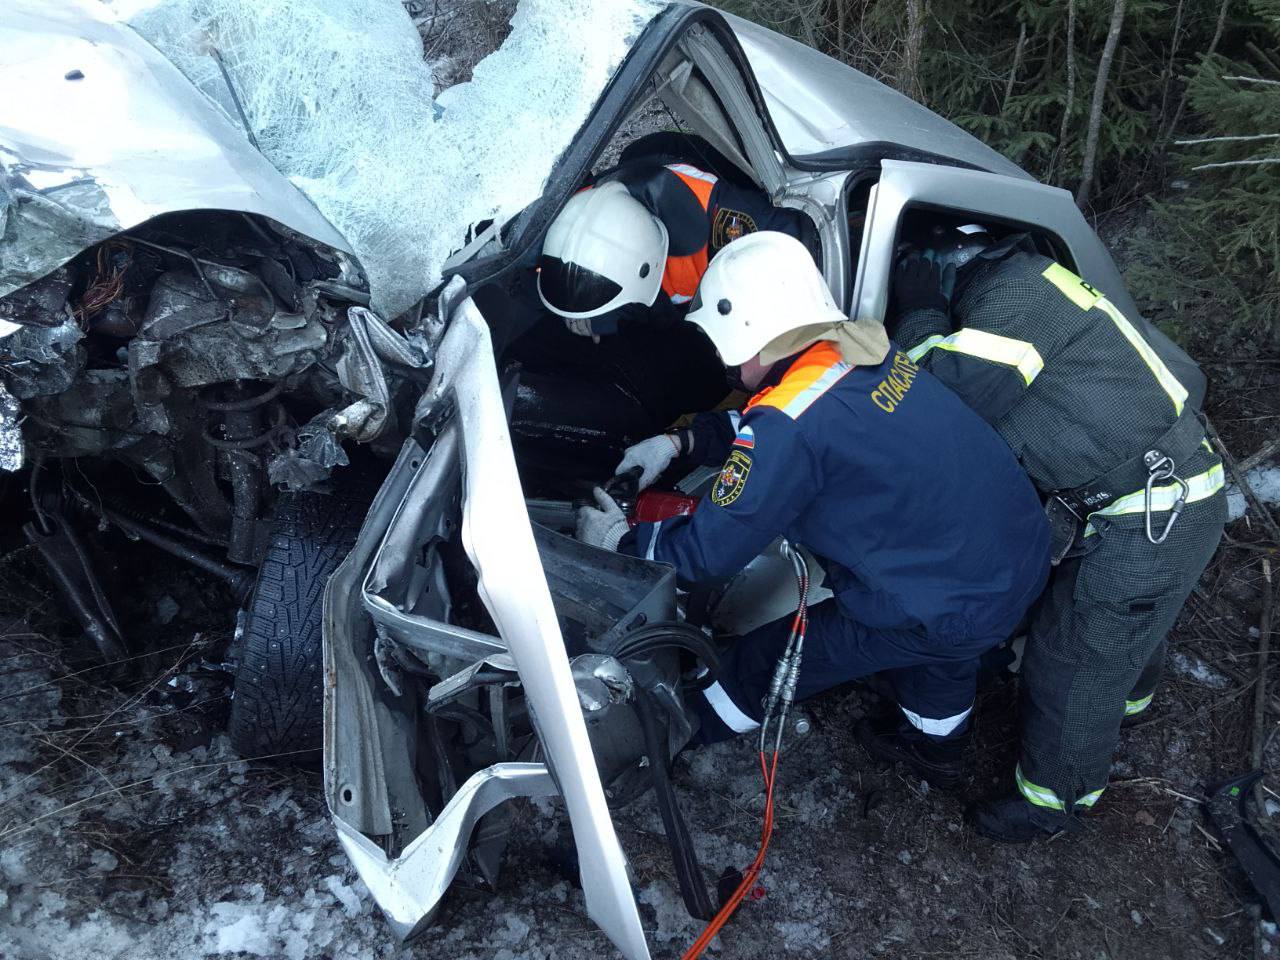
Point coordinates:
[(814, 372), (683, 274)]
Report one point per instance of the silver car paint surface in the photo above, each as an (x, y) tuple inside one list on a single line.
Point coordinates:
[(410, 887), (106, 134), (498, 539), (819, 104), (982, 194)]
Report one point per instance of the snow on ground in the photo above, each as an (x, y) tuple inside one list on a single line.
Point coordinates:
[(1265, 482), (128, 831)]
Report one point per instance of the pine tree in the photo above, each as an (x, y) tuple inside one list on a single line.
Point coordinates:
[(1219, 244)]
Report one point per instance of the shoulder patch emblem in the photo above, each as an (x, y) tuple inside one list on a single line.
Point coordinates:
[(729, 225), (746, 438), (733, 477)]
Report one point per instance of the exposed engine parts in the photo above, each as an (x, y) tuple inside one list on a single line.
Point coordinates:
[(221, 359), (216, 354)]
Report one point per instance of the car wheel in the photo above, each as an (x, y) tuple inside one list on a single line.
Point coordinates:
[(277, 709)]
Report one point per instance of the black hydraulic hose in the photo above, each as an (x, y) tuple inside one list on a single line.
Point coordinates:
[(668, 634), (693, 887)]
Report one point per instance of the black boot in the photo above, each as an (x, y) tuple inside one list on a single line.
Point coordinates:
[(1014, 819), (894, 740)]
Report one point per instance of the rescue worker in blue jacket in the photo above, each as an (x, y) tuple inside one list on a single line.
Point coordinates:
[(1103, 412), (611, 356), (932, 539)]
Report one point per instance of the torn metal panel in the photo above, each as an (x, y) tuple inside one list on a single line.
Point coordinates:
[(41, 361), (410, 887), (498, 538), (106, 135)]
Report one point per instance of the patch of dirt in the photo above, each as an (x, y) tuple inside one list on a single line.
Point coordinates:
[(128, 829)]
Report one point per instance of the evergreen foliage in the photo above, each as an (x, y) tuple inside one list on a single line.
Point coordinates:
[(1216, 249), (1001, 69)]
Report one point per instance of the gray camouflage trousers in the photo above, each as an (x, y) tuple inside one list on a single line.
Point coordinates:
[(1097, 646)]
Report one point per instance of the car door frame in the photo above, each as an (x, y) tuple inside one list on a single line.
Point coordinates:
[(1047, 211)]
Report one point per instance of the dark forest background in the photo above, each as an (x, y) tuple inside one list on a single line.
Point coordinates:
[(1161, 116)]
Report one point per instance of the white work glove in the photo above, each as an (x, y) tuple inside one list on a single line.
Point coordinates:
[(602, 526), (652, 456)]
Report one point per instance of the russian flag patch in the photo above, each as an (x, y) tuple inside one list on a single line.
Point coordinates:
[(746, 438)]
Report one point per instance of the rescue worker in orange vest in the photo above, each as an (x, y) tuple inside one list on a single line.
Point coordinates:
[(611, 360), (632, 248)]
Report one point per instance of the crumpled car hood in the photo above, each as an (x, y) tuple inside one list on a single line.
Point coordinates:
[(100, 133), (351, 150)]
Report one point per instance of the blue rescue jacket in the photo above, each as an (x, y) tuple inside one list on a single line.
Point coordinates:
[(919, 511)]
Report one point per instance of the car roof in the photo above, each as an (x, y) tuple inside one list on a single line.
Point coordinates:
[(823, 108)]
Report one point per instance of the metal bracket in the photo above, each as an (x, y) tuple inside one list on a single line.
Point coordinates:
[(1161, 467)]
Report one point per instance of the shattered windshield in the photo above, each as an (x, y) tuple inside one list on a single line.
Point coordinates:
[(337, 95)]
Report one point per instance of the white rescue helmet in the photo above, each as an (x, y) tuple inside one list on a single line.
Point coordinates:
[(756, 289), (603, 251)]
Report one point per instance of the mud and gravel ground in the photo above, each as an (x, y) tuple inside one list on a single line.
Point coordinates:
[(128, 829)]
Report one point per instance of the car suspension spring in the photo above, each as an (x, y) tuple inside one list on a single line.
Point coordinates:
[(242, 422)]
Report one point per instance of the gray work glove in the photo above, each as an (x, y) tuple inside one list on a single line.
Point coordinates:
[(652, 456), (603, 525)]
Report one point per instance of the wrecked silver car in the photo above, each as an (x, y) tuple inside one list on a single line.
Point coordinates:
[(234, 337), (475, 654)]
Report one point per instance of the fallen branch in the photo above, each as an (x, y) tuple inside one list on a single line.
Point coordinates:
[(1238, 163), (1243, 484), (1270, 83), (1255, 136), (1262, 453)]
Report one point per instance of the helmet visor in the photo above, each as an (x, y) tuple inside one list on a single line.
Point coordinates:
[(569, 288)]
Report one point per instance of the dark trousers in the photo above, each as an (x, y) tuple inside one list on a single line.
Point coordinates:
[(1097, 645), (935, 681)]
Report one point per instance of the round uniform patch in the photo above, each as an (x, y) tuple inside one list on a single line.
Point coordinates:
[(729, 225), (733, 477)]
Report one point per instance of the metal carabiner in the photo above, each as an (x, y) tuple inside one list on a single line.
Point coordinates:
[(1160, 468)]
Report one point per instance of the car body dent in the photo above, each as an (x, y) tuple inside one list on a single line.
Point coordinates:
[(821, 106), (498, 539), (409, 888), (107, 134)]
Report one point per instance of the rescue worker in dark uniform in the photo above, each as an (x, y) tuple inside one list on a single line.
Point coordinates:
[(1103, 413), (932, 539), (591, 249), (613, 358)]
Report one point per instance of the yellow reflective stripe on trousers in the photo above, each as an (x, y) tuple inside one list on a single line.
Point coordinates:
[(1200, 487), (1040, 796), (1132, 707), (1044, 797), (1019, 354), (1089, 799), (1086, 297)]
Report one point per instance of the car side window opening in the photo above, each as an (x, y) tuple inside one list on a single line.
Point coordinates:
[(920, 219), (581, 401)]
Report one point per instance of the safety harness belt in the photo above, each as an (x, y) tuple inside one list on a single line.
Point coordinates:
[(1176, 445)]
